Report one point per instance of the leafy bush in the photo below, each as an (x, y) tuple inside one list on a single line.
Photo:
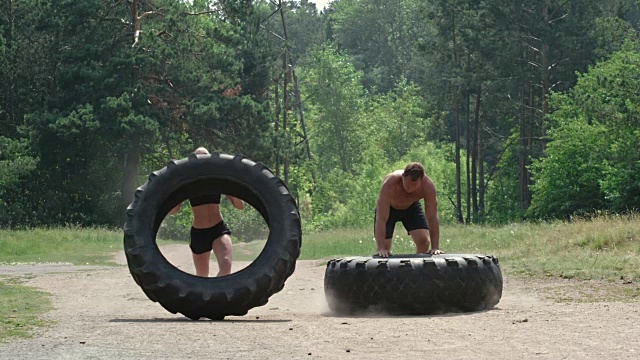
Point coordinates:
[(593, 158), (16, 169)]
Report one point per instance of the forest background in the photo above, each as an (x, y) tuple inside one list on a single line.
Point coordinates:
[(519, 110)]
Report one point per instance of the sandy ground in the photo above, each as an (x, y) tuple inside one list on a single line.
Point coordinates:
[(100, 313)]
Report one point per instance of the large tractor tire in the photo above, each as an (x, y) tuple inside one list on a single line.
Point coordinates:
[(413, 284), (214, 298)]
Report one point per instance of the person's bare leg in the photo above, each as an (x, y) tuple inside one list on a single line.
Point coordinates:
[(201, 262), (421, 239), (223, 249)]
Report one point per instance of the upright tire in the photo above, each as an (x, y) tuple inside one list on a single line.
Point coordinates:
[(198, 297), (413, 284)]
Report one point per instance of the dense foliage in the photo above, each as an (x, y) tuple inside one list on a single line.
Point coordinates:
[(518, 109)]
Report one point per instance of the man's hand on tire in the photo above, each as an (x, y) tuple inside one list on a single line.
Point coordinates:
[(383, 252)]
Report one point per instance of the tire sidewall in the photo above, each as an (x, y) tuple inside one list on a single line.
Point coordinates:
[(265, 187)]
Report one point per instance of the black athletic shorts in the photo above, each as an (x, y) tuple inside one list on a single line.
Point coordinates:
[(412, 218), (202, 239)]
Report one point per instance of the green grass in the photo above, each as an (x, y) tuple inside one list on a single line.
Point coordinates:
[(20, 309), (90, 246), (603, 248), (21, 306), (247, 251)]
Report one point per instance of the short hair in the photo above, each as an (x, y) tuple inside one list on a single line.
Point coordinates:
[(415, 170)]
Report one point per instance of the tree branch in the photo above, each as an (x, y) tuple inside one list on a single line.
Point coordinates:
[(270, 16), (559, 8), (116, 4), (531, 47), (532, 63), (560, 18), (497, 162), (202, 12), (136, 20), (558, 63), (154, 12), (123, 21), (164, 32), (454, 204), (518, 103), (156, 101), (531, 37), (272, 33)]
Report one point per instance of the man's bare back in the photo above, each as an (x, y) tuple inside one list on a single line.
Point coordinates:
[(398, 197)]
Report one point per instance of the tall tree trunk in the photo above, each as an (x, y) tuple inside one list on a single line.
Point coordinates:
[(457, 105), (480, 172), (475, 152), (546, 74), (136, 20), (296, 90), (285, 125), (468, 157), (9, 85), (458, 186), (523, 150), (132, 159), (277, 126), (529, 136)]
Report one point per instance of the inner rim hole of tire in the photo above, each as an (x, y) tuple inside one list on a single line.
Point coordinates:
[(248, 234)]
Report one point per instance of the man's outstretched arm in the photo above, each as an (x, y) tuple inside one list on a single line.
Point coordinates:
[(174, 210), (383, 247), (431, 211), (237, 203)]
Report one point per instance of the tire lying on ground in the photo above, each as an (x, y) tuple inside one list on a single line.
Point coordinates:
[(198, 297), (413, 284)]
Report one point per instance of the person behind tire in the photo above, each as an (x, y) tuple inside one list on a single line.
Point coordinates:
[(399, 200), (209, 231)]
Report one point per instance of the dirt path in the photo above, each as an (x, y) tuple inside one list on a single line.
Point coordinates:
[(102, 314)]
